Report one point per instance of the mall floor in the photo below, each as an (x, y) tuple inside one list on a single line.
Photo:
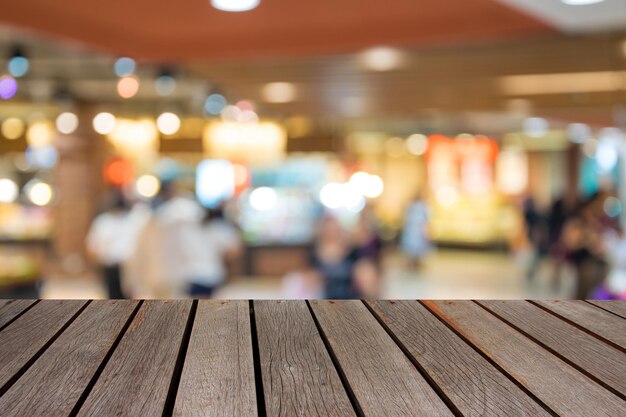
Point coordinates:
[(446, 273)]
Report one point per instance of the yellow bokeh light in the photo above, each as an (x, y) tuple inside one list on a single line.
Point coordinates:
[(40, 134), (13, 128)]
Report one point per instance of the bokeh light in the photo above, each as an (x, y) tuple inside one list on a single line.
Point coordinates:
[(147, 186), (125, 66), (128, 86), (417, 144), (40, 133), (39, 193), (13, 128), (168, 123), (279, 92), (165, 85), (18, 66), (45, 157), (118, 171), (104, 123), (214, 104), (67, 123), (8, 190), (8, 87), (263, 199)]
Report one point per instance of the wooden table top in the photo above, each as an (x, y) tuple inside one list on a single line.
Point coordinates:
[(316, 358)]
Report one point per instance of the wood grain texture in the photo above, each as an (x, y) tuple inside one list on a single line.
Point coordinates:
[(9, 309), (600, 322), (218, 374), (55, 382), (136, 380), (23, 338), (471, 383), (594, 356), (299, 378), (615, 307), (562, 388), (383, 380)]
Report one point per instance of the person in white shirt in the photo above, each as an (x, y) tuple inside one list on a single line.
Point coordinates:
[(211, 243), (159, 265), (112, 238)]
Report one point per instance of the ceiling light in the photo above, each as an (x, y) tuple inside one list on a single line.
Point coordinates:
[(580, 2), (235, 5), (279, 92), (382, 59)]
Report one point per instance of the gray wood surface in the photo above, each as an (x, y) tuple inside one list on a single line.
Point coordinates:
[(600, 322), (70, 362), (218, 375), (137, 378), (383, 380), (615, 307), (299, 378), (561, 387), (587, 352), (9, 309), (23, 338), (473, 385)]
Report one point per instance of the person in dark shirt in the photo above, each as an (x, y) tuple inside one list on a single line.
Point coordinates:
[(343, 272)]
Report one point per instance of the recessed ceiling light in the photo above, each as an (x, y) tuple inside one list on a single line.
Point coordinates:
[(382, 58), (279, 92), (581, 2), (235, 5)]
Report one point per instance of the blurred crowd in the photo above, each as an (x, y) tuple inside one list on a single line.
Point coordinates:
[(174, 247), (583, 235)]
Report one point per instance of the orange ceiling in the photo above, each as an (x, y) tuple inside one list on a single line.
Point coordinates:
[(188, 30)]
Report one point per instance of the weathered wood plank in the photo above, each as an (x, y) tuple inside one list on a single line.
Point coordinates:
[(600, 322), (615, 307), (471, 383), (587, 352), (299, 378), (9, 309), (382, 379), (561, 387), (23, 338), (136, 380), (53, 385), (218, 374)]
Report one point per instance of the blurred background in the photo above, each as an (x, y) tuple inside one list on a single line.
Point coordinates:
[(281, 149)]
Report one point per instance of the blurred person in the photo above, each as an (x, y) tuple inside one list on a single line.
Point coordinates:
[(534, 224), (112, 238), (414, 240), (212, 242), (158, 268), (585, 239), (366, 238), (560, 212), (337, 263)]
